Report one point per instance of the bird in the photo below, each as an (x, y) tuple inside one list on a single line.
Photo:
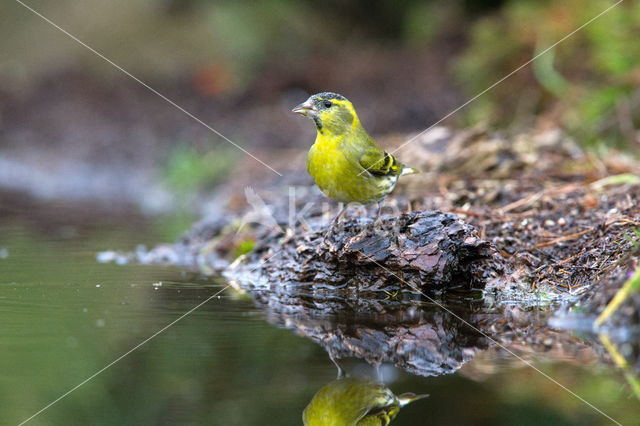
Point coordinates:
[(354, 401), (345, 162)]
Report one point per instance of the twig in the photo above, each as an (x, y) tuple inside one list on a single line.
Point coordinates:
[(530, 199), (470, 212), (564, 238)]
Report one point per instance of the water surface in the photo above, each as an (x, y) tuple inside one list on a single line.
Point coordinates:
[(65, 316)]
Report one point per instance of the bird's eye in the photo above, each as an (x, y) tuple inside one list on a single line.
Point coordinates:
[(327, 104)]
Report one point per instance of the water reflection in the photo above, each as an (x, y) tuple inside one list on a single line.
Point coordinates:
[(623, 362), (420, 338), (355, 401), (426, 340)]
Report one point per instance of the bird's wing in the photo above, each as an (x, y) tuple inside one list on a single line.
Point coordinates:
[(379, 163)]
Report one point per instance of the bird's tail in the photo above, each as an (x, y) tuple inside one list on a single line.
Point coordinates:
[(409, 171)]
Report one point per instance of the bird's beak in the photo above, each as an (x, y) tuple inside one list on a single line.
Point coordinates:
[(306, 109), (407, 398)]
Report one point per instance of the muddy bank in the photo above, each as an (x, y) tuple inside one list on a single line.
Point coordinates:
[(547, 221)]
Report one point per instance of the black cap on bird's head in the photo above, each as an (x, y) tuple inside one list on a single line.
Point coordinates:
[(328, 109), (317, 103)]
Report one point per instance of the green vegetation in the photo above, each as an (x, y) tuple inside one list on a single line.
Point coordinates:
[(628, 288), (621, 179), (588, 84), (188, 170), (622, 363), (243, 247)]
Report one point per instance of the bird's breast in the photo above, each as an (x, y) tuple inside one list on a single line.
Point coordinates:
[(340, 177)]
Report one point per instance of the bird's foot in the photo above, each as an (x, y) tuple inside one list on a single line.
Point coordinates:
[(328, 234), (367, 229), (375, 226)]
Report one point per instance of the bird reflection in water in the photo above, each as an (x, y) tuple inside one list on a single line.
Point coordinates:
[(349, 401)]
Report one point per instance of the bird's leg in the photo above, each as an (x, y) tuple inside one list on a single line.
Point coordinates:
[(341, 372), (379, 376), (378, 219), (336, 221), (391, 230)]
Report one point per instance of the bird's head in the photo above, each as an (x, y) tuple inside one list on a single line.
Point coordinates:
[(331, 112)]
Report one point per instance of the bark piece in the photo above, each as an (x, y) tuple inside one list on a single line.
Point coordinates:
[(423, 250)]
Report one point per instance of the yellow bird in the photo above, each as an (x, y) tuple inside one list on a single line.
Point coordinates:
[(345, 162), (355, 402)]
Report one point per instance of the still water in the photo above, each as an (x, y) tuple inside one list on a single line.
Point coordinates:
[(64, 317)]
